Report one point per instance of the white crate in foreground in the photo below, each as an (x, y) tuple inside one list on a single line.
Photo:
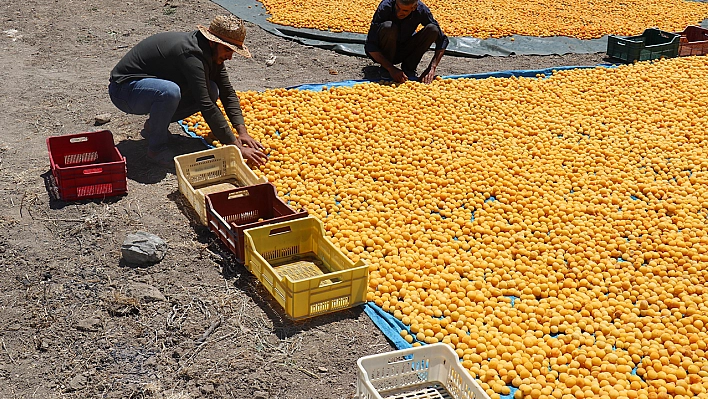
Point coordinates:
[(425, 372)]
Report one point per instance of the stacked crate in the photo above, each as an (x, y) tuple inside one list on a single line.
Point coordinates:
[(303, 270), (87, 166), (287, 250), (655, 44), (231, 212), (211, 171)]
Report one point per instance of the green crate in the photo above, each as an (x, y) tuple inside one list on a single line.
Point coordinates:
[(650, 45)]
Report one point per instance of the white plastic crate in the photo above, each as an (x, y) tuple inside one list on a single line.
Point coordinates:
[(425, 372)]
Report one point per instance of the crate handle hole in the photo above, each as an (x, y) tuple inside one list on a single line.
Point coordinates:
[(280, 230), (78, 139), (396, 359), (239, 194), (329, 282), (205, 158), (93, 171)]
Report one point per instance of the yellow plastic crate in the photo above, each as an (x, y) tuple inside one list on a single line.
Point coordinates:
[(306, 274), (425, 372), (212, 171)]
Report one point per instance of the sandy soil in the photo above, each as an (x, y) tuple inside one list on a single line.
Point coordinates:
[(75, 321)]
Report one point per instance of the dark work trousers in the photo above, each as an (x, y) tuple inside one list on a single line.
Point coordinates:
[(408, 52)]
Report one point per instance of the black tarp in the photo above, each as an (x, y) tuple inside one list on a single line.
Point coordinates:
[(353, 43)]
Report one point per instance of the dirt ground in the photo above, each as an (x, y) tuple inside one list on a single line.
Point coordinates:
[(75, 320)]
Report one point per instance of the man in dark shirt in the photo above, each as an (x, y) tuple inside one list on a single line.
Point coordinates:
[(172, 75), (393, 39)]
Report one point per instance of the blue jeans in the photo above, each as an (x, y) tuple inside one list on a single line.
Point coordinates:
[(162, 100)]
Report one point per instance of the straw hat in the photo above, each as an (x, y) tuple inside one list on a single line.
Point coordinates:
[(229, 31)]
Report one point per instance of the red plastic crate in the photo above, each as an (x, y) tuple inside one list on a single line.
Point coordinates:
[(87, 165), (231, 212), (693, 41)]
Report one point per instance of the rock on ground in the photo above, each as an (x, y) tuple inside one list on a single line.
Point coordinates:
[(143, 248)]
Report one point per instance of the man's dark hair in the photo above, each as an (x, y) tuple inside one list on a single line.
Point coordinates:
[(407, 2)]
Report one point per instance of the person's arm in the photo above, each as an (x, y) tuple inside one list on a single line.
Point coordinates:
[(384, 12), (440, 45), (250, 148), (192, 68), (429, 73)]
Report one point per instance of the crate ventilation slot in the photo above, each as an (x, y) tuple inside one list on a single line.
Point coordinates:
[(86, 157), (96, 189), (326, 306), (281, 253), (243, 217), (401, 374), (196, 177)]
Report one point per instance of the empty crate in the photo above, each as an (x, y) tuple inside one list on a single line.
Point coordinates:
[(694, 41), (429, 371), (650, 45), (87, 165), (306, 274), (231, 212), (212, 171)]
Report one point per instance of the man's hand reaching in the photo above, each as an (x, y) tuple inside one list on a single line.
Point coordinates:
[(429, 73), (398, 75), (252, 155), (251, 142), (427, 76), (251, 149)]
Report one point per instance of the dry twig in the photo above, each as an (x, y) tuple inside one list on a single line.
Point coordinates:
[(209, 331), (308, 372), (8, 352)]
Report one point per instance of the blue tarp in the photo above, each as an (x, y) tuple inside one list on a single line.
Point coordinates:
[(526, 73)]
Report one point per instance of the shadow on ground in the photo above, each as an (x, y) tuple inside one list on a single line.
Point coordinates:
[(142, 170), (55, 201), (282, 325), (240, 277), (375, 73)]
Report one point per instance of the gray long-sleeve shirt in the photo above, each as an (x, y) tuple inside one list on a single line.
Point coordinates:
[(186, 59)]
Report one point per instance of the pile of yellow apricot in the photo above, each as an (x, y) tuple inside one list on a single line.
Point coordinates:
[(552, 230), (485, 19)]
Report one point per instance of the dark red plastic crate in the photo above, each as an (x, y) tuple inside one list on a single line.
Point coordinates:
[(230, 213), (87, 165), (694, 41)]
